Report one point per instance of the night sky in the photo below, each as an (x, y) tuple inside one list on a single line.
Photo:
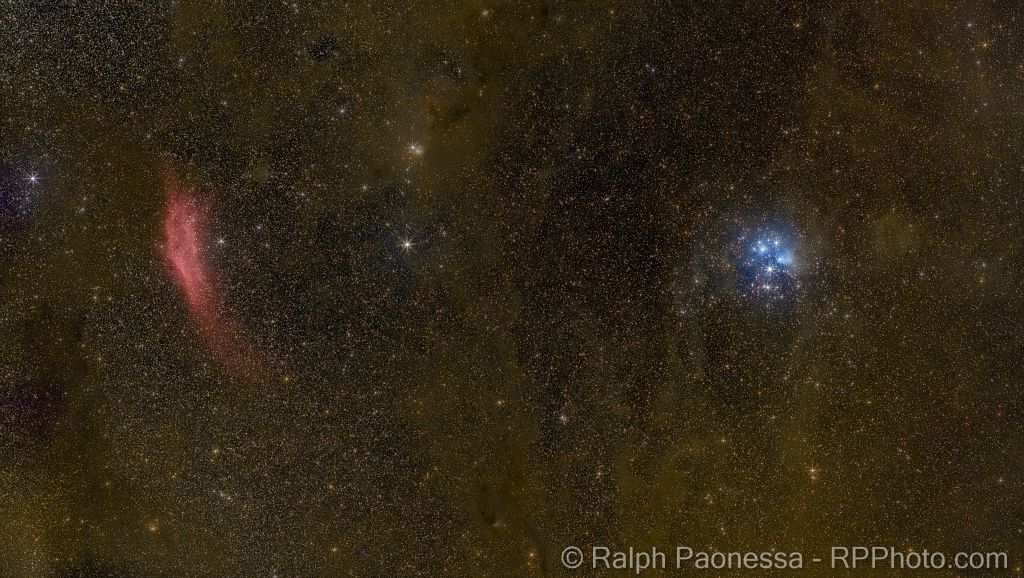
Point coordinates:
[(398, 288)]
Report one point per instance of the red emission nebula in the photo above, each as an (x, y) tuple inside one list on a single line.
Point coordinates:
[(185, 232)]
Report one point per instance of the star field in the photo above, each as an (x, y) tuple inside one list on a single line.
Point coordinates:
[(415, 289)]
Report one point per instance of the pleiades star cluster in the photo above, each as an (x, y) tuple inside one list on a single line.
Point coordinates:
[(407, 288)]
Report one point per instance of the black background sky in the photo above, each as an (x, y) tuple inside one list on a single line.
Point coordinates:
[(488, 283)]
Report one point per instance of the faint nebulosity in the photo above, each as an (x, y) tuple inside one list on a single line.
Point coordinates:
[(419, 289)]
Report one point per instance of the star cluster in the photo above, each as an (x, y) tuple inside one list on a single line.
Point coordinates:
[(768, 266)]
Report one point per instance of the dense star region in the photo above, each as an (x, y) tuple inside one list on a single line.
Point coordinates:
[(416, 289)]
